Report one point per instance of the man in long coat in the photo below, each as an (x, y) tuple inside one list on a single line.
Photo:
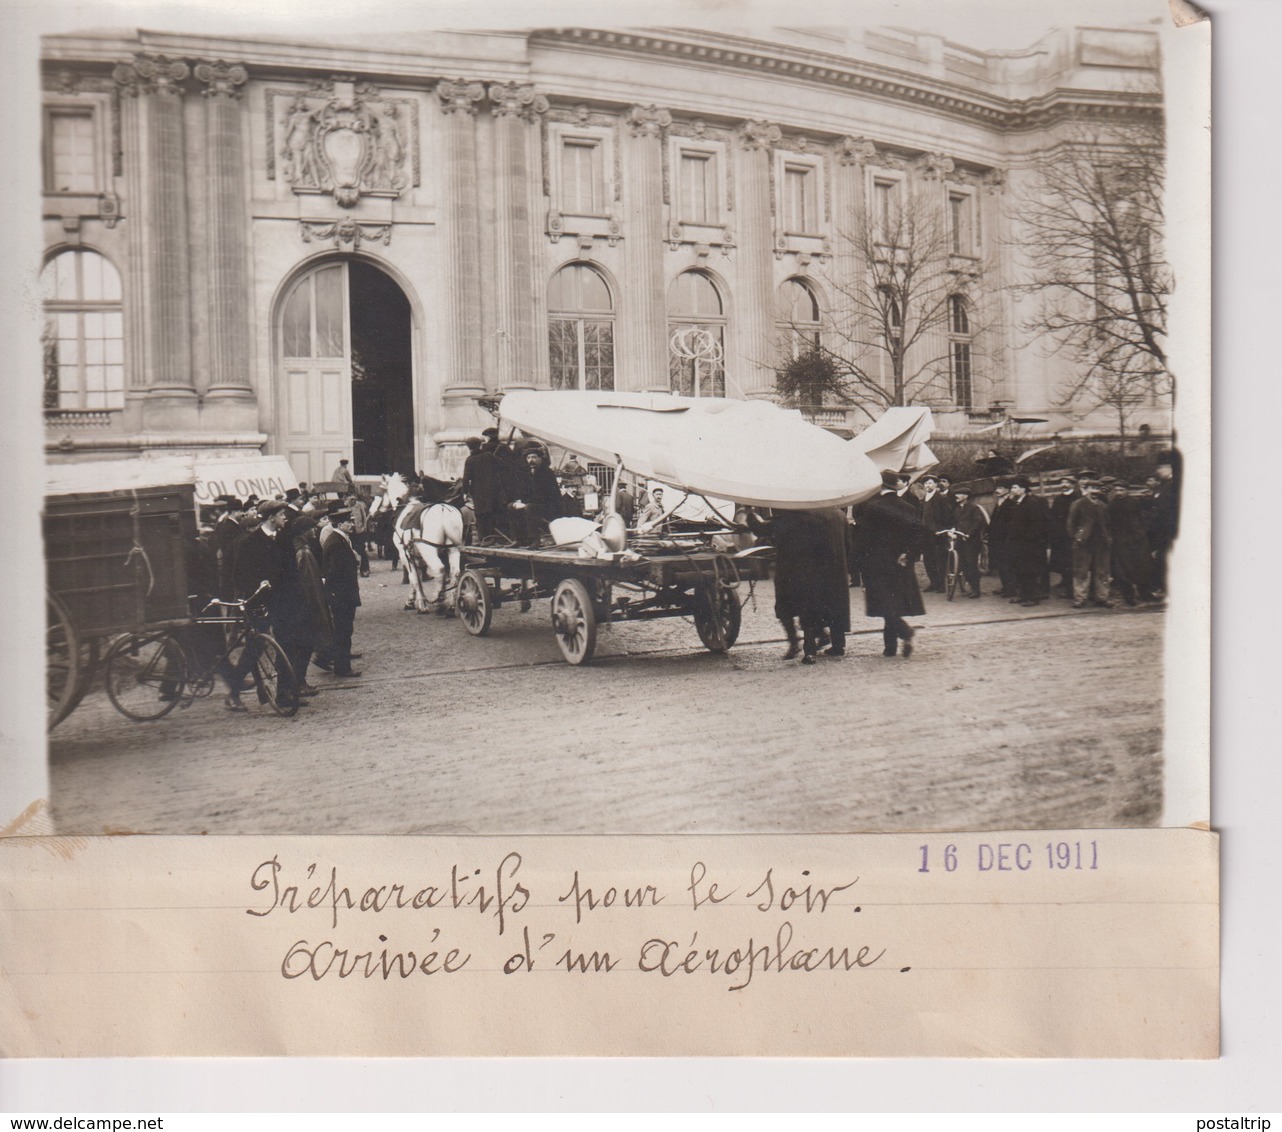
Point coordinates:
[(1061, 559), (342, 591), (483, 484), (1132, 561), (999, 559), (1092, 547), (889, 532), (972, 521), (1027, 540), (936, 515)]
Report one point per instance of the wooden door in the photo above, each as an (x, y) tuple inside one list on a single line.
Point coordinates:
[(314, 425)]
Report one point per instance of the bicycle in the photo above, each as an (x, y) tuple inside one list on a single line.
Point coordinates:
[(150, 673), (952, 562)]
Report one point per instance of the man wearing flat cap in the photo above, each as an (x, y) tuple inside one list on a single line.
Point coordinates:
[(1092, 547)]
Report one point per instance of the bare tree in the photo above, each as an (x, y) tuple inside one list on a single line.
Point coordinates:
[(897, 286), (1091, 229)]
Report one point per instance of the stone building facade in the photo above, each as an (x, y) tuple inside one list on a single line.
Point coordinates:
[(260, 245)]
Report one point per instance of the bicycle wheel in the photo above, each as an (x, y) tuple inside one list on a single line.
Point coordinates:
[(145, 675), (274, 677), (952, 572)]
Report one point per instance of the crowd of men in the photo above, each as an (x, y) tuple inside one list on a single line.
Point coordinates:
[(311, 554), (1104, 540)]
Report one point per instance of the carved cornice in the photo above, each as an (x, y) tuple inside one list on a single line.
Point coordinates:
[(221, 79), (151, 74), (517, 100), (875, 80), (759, 135), (648, 121), (459, 96)]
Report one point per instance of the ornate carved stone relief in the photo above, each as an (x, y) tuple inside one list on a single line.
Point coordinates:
[(346, 232), (459, 96), (648, 121), (935, 166), (342, 138), (855, 151)]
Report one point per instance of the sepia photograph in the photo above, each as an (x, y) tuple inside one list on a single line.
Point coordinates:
[(737, 426)]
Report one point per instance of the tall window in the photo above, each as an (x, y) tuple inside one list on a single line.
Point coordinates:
[(696, 337), (801, 210), (84, 347), (315, 316), (798, 316), (961, 223), (582, 181), (698, 188), (959, 334), (580, 329), (885, 208), (70, 159)]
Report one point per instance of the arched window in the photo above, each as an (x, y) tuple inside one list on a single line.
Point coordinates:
[(959, 344), (798, 318), (696, 337), (84, 342), (580, 329)]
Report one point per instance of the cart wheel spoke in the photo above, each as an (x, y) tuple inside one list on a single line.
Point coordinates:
[(718, 616), (473, 604), (574, 621)]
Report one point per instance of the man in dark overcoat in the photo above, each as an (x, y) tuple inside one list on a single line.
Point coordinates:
[(1164, 514), (1061, 559), (999, 560), (972, 521), (889, 531), (258, 560), (1132, 562), (538, 500), (1027, 540), (482, 483), (936, 515), (1092, 547), (342, 591)]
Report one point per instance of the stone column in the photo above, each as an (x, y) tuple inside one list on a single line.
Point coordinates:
[(154, 83), (516, 107), (755, 305), (647, 367), (228, 234), (464, 380)]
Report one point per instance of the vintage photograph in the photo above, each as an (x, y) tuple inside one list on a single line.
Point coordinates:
[(598, 428)]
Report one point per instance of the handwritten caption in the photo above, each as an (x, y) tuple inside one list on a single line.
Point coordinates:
[(661, 927)]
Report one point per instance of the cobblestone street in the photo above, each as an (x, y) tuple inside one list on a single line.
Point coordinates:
[(1003, 718)]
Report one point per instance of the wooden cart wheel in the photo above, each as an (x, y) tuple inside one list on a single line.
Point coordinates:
[(62, 662), (717, 617), (472, 603), (574, 621)]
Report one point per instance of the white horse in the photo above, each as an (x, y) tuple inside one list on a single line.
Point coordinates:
[(429, 537)]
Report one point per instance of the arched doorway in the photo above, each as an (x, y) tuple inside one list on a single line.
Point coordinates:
[(347, 387)]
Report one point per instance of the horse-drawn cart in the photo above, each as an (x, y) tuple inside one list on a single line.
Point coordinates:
[(675, 581), (114, 562)]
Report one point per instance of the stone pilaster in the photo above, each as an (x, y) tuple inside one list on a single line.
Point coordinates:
[(647, 363), (464, 379), (755, 223), (516, 108), (230, 290), (154, 85)]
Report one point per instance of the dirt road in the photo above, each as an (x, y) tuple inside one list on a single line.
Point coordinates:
[(1003, 718)]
